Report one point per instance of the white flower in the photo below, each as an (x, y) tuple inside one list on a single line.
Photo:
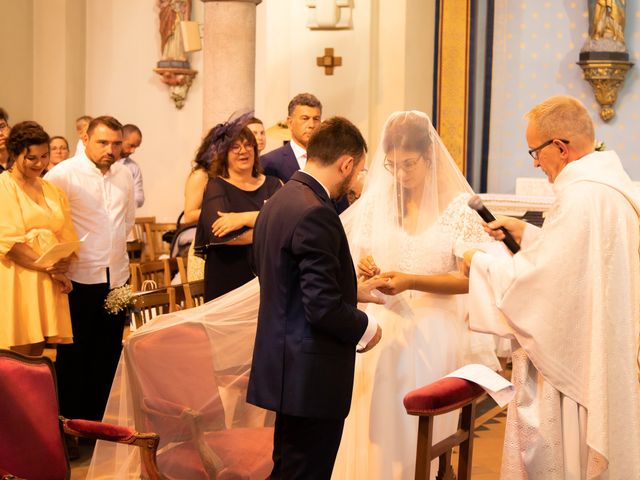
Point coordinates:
[(118, 299)]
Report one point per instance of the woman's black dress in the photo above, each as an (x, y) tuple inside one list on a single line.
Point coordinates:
[(227, 266)]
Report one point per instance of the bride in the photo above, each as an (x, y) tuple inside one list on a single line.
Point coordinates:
[(409, 222), (408, 225)]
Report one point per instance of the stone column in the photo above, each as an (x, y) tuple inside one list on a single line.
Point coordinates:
[(229, 58)]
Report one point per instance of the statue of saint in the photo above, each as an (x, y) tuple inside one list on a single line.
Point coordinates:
[(172, 12), (607, 20)]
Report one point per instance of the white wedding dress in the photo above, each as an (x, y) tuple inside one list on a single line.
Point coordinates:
[(424, 337)]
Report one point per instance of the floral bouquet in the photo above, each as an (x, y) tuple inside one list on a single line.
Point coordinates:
[(118, 299)]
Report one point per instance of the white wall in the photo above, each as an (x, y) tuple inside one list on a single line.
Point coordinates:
[(104, 63), (387, 61), (123, 46), (16, 55)]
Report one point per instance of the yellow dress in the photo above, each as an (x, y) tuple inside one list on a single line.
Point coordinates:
[(32, 307)]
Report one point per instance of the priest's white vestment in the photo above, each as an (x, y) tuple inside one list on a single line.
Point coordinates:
[(570, 302)]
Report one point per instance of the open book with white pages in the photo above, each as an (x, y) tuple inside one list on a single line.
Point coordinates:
[(57, 252), (498, 387)]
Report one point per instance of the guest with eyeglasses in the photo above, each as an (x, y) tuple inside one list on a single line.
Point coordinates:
[(406, 228), (234, 194), (4, 134), (568, 301), (59, 151)]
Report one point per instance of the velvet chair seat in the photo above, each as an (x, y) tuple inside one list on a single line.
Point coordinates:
[(31, 432)]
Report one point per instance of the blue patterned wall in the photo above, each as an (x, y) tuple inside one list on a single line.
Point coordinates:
[(536, 47)]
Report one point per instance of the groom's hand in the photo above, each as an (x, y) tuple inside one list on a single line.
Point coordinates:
[(366, 286), (367, 267), (373, 342)]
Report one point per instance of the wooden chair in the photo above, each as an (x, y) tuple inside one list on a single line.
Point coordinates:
[(200, 434), (148, 305), (158, 272), (197, 292), (437, 398), (142, 236), (189, 295), (160, 247)]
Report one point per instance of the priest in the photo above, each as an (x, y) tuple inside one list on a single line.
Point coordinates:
[(570, 302)]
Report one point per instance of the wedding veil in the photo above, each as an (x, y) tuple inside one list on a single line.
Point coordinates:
[(201, 357), (185, 374), (412, 179)]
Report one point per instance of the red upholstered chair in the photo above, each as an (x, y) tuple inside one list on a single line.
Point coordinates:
[(31, 440), (201, 436), (437, 398)]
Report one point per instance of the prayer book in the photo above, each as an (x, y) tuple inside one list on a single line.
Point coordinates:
[(57, 252)]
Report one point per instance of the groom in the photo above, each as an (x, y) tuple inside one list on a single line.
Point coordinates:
[(308, 324)]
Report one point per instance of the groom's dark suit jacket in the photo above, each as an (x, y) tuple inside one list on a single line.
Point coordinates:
[(280, 163), (308, 325)]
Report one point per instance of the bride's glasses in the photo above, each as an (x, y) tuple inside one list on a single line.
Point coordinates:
[(407, 165)]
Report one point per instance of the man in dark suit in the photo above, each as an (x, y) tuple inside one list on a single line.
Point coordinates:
[(309, 327), (303, 118)]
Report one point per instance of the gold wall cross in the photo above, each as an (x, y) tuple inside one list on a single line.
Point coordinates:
[(328, 61)]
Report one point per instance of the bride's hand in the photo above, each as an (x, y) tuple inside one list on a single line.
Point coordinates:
[(367, 268), (397, 282)]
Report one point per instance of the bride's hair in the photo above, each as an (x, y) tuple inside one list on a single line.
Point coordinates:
[(407, 132)]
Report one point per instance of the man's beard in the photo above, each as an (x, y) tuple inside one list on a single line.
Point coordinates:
[(345, 186)]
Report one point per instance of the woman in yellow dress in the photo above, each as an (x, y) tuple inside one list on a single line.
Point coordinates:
[(34, 215)]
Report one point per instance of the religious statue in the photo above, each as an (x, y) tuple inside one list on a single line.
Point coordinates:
[(172, 12), (173, 67), (606, 25), (604, 58)]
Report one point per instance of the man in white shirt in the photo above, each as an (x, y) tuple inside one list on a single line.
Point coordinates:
[(569, 301), (131, 141), (100, 193)]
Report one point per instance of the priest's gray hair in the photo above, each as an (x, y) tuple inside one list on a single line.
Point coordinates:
[(562, 116)]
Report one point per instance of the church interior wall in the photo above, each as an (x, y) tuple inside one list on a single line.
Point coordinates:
[(536, 47), (16, 54), (123, 46), (104, 63)]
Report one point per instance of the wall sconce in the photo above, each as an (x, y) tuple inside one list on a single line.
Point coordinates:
[(329, 14)]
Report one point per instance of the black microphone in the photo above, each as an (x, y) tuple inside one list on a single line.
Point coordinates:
[(476, 203)]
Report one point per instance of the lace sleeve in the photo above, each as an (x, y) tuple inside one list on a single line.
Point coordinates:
[(465, 224)]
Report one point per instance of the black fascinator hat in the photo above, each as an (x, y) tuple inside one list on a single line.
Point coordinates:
[(220, 137)]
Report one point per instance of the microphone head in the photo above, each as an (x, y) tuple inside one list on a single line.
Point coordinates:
[(475, 202)]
